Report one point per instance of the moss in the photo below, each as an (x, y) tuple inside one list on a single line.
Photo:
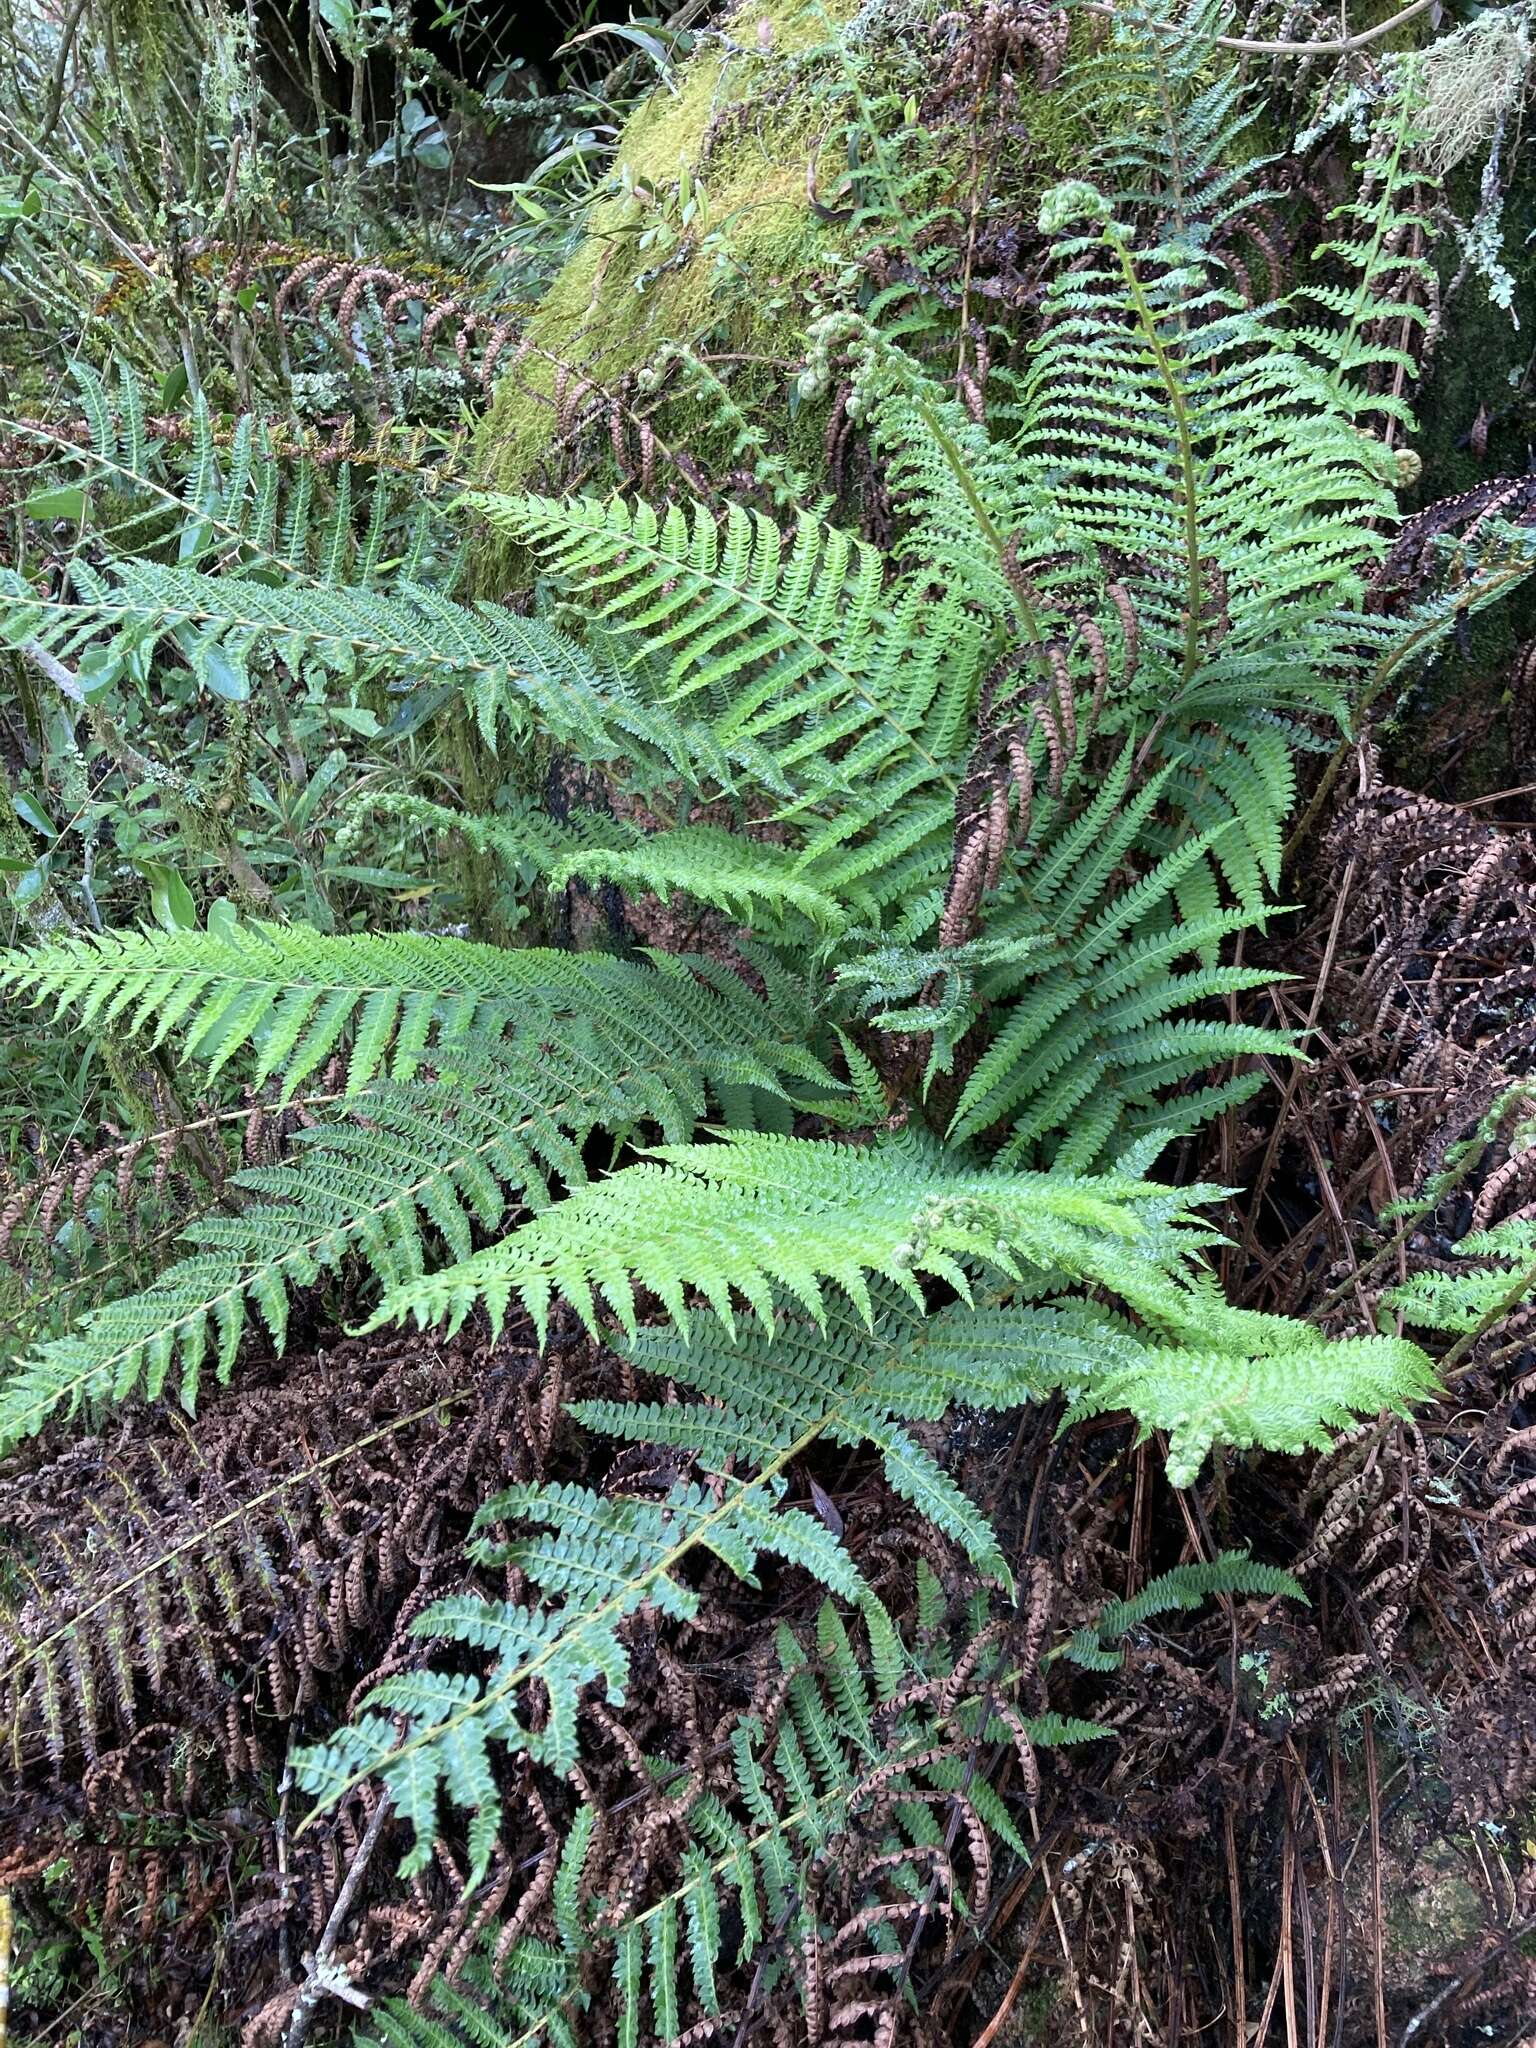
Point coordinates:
[(641, 276), (1431, 1917), (745, 121), (1368, 14)]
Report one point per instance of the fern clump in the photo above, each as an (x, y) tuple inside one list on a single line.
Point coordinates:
[(949, 840)]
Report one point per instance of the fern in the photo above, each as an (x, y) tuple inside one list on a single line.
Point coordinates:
[(529, 1998), (767, 1220), (1243, 506), (751, 1215), (1494, 1273), (1092, 1040), (608, 1557), (1173, 124), (844, 1761), (236, 499), (290, 997), (1376, 259), (858, 1383), (422, 1164), (755, 1215), (795, 649), (507, 669), (732, 659), (1237, 1377), (1181, 1590), (840, 1375), (749, 879), (992, 798), (740, 876), (185, 1549)]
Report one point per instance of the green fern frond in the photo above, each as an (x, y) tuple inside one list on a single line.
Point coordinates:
[(510, 670), (1378, 248), (530, 1998), (1172, 123), (831, 1374), (523, 835), (840, 1763), (753, 1214), (607, 1557), (1242, 488), (1089, 1000), (973, 508), (858, 1383), (792, 649), (244, 503), (1231, 1376), (1184, 1588), (425, 1164), (1494, 1273), (743, 877), (291, 997), (826, 882)]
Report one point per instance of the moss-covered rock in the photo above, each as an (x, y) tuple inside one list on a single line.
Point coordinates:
[(797, 140), (709, 227), (1477, 420)]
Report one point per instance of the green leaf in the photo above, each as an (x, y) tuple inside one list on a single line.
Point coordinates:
[(221, 676), (16, 204), (61, 501), (169, 897), (31, 884), (31, 812)]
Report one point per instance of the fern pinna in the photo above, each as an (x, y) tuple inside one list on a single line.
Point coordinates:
[(991, 800)]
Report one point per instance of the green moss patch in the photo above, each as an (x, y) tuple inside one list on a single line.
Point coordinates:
[(735, 271)]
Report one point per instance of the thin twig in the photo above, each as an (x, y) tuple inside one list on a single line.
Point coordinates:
[(284, 1880), (1239, 1985), (1378, 1956), (317, 1967), (5, 1965), (999, 2019), (1459, 1984), (67, 29), (140, 768)]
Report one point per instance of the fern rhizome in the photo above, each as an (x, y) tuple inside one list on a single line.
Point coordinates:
[(866, 1114)]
